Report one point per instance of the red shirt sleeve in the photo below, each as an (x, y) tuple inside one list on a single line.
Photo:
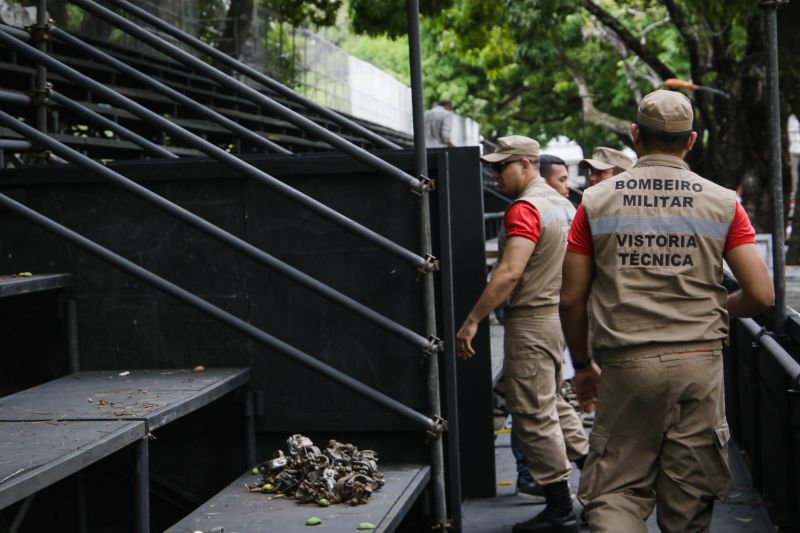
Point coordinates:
[(523, 220), (580, 234), (741, 230)]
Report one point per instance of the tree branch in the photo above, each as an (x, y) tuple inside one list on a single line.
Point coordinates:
[(593, 115), (696, 63), (511, 97), (633, 44), (629, 67)]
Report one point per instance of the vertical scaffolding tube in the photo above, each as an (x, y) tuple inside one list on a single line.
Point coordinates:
[(421, 163), (775, 165), (449, 338), (142, 496), (41, 71)]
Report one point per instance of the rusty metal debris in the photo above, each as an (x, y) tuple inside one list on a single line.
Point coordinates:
[(339, 474)]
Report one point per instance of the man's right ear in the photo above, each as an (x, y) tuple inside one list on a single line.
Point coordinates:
[(635, 134)]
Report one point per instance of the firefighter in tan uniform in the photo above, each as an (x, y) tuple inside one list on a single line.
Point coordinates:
[(648, 246), (605, 163), (528, 279)]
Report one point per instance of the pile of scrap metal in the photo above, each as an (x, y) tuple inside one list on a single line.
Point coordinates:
[(340, 474)]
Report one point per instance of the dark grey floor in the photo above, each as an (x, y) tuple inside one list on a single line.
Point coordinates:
[(744, 510)]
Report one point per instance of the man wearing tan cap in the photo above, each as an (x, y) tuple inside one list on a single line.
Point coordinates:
[(527, 279), (648, 245), (605, 163)]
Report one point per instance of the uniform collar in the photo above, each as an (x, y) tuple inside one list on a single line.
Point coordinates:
[(662, 161), (530, 186)]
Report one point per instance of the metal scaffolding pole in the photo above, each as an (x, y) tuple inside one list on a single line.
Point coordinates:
[(219, 154), (449, 338), (40, 33), (775, 163), (222, 316), (171, 93), (221, 235), (122, 131), (253, 74), (15, 97), (429, 299), (267, 103)]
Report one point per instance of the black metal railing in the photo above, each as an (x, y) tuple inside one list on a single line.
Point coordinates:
[(221, 315), (215, 152), (251, 94), (762, 383)]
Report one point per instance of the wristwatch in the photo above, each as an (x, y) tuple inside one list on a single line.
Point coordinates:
[(581, 366)]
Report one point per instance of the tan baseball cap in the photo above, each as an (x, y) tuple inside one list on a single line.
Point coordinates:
[(516, 146), (604, 158), (667, 111)]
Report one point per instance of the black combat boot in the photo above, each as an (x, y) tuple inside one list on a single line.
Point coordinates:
[(558, 515)]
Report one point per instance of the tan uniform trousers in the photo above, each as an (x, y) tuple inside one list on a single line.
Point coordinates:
[(659, 439), (548, 429)]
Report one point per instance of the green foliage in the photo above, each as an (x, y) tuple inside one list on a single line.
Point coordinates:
[(388, 17), (314, 12)]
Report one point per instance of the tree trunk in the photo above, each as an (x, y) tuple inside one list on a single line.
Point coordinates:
[(737, 150)]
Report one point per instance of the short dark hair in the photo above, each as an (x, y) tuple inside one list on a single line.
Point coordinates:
[(444, 102), (547, 161), (663, 141)]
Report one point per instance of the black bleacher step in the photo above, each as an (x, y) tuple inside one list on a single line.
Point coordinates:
[(235, 509), (156, 397), (15, 285), (38, 454)]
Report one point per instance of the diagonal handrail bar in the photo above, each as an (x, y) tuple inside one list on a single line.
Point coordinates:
[(120, 130), (220, 315), (252, 73), (773, 347), (15, 97), (217, 153), (369, 159), (221, 235), (169, 92)]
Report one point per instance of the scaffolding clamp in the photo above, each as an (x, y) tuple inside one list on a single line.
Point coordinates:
[(435, 345), (41, 97), (431, 264), (443, 526), (40, 33), (439, 426), (425, 184)]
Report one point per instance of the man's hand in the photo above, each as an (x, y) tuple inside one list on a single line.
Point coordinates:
[(587, 386), (464, 339)]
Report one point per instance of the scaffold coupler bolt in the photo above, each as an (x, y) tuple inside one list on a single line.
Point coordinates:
[(425, 185), (439, 426), (435, 345), (431, 264), (444, 526)]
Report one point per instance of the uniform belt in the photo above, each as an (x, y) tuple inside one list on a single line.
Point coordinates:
[(517, 312), (654, 349)]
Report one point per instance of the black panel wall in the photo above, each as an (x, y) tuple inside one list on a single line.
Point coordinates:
[(126, 324)]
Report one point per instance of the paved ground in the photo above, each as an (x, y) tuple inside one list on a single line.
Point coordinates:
[(744, 510)]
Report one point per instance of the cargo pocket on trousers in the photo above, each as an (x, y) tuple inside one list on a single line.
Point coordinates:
[(593, 477), (520, 380), (720, 478), (598, 442)]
